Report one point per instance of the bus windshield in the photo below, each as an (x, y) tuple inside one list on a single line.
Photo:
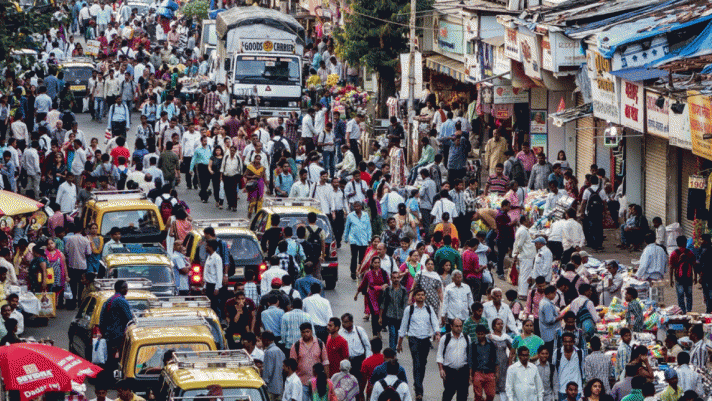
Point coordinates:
[(266, 69)]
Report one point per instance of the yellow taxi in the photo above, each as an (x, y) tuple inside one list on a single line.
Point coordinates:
[(156, 268), (243, 246), (293, 213), (131, 211), (190, 374), (188, 306), (77, 73), (85, 324), (147, 338)]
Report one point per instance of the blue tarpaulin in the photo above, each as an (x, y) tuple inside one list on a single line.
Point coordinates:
[(639, 74), (701, 46)]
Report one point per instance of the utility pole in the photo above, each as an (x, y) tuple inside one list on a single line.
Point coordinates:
[(411, 80)]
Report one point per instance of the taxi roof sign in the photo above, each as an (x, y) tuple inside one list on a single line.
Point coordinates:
[(215, 223), (236, 358), (134, 283), (180, 302), (291, 202)]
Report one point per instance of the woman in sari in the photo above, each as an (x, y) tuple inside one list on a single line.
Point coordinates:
[(447, 228), (527, 339), (371, 251), (374, 212), (372, 285), (255, 188), (429, 280), (410, 269), (320, 387), (513, 196), (56, 262), (94, 259)]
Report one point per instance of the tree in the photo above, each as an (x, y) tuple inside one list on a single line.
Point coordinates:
[(367, 39), (197, 10), (18, 27)]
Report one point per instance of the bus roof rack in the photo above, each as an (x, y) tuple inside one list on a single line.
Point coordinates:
[(134, 283), (236, 358), (215, 223), (291, 202), (103, 196), (180, 302)]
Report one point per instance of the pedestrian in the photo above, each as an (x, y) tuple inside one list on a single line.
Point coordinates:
[(505, 236), (291, 323), (370, 364), (672, 392), (213, 274), (496, 309), (419, 324), (593, 207), (452, 358), (319, 309), (119, 120), (457, 300), (394, 301), (595, 391), (357, 233), (272, 363), (337, 347), (391, 383), (682, 273), (115, 316), (597, 366), (688, 378), (124, 390), (346, 386), (523, 379), (546, 373), (308, 351), (524, 253), (359, 347), (292, 385), (568, 366), (543, 260)]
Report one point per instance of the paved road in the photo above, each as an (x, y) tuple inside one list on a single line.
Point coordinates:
[(341, 298)]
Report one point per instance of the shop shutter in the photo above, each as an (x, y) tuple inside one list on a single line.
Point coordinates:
[(689, 167), (655, 178), (585, 143)]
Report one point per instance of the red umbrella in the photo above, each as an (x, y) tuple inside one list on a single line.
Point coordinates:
[(34, 369)]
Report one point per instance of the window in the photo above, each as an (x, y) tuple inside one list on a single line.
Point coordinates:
[(131, 222), (295, 221), (158, 274), (149, 359), (240, 247), (229, 394)]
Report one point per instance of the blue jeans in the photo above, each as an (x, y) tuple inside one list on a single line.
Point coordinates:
[(419, 350), (393, 327), (305, 393), (329, 162), (707, 296), (683, 292), (98, 108)]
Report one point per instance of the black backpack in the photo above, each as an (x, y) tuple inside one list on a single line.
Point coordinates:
[(518, 174), (277, 149), (594, 205), (314, 241), (389, 391)]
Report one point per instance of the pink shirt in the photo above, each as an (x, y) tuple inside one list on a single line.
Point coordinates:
[(528, 160), (309, 354), (533, 304), (470, 264)]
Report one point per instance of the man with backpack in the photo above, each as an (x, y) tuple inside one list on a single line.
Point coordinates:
[(683, 274), (391, 387), (568, 365), (593, 205), (420, 324), (452, 359), (316, 238), (308, 351), (514, 169), (275, 147), (272, 236)]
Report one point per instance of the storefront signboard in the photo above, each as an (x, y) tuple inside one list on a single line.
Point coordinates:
[(449, 37), (510, 94), (537, 124), (538, 142), (680, 127), (700, 110), (656, 118), (605, 88), (632, 105), (547, 58), (560, 51), (530, 51), (471, 27), (502, 63), (511, 45)]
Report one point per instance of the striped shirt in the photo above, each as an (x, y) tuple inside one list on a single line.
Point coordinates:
[(498, 184), (290, 326), (699, 356)]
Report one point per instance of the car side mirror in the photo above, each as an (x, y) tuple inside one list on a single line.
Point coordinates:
[(227, 64), (117, 374)]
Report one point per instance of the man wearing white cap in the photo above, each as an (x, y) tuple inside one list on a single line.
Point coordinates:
[(543, 260)]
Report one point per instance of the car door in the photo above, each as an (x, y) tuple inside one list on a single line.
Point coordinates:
[(81, 329)]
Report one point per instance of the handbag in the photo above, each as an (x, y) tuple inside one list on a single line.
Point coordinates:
[(49, 280), (47, 305), (251, 186), (408, 230), (99, 351)]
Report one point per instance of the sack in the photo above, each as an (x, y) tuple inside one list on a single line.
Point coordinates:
[(47, 305), (99, 351), (68, 296), (49, 280)]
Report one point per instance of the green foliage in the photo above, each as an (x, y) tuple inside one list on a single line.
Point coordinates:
[(197, 9), (18, 28)]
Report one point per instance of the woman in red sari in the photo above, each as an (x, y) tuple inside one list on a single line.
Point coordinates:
[(371, 287)]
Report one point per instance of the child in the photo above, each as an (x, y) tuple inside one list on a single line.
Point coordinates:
[(649, 392), (514, 303), (634, 314), (623, 354), (660, 231), (401, 254)]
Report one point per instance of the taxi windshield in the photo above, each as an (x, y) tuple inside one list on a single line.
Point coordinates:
[(241, 247), (72, 74), (295, 221), (155, 273), (138, 304), (149, 359), (228, 394), (141, 221)]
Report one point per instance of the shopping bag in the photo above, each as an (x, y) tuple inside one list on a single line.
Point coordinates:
[(85, 104), (68, 296), (513, 274), (47, 305), (99, 351)]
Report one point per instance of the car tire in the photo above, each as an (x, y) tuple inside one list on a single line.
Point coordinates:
[(88, 350), (330, 284)]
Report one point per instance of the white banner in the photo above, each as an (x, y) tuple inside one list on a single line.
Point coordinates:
[(405, 67), (509, 94), (632, 105), (511, 45), (530, 52), (680, 134), (656, 118)]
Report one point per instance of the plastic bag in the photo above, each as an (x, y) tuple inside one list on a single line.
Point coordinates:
[(68, 296), (47, 305), (99, 350), (85, 104)]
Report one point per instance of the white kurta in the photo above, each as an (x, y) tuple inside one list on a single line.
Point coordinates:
[(524, 383)]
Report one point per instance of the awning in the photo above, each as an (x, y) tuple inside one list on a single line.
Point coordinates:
[(572, 114), (639, 74), (495, 41), (447, 66)]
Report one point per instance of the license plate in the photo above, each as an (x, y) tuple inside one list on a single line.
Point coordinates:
[(77, 87), (240, 271)]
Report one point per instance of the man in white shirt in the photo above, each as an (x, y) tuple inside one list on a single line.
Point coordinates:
[(359, 344), (496, 309), (31, 165), (553, 197), (67, 194), (14, 301), (308, 129), (293, 387), (356, 189), (275, 271), (319, 308), (391, 380), (653, 261), (524, 252), (319, 119), (543, 260), (314, 169), (444, 204), (213, 274), (457, 300), (322, 192), (688, 379), (523, 380), (452, 358), (189, 143), (353, 134), (573, 238), (348, 164), (419, 324), (301, 188)]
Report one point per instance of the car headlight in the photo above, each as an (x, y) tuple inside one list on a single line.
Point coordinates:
[(292, 104)]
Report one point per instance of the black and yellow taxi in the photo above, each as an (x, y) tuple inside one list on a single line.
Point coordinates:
[(148, 261), (195, 376), (147, 338), (77, 73), (85, 325), (293, 213), (242, 243), (131, 211), (188, 306)]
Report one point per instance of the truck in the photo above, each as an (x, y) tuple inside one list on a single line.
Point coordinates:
[(259, 58)]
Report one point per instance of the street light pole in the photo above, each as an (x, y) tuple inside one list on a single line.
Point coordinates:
[(411, 79)]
